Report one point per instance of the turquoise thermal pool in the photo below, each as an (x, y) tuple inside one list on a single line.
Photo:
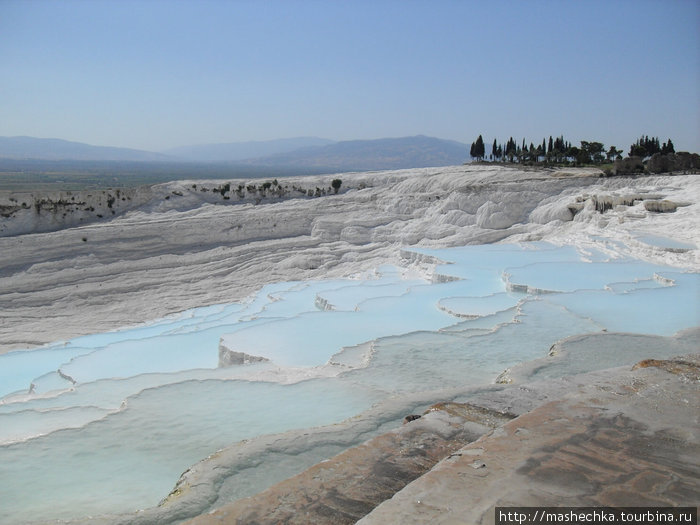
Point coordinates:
[(106, 423)]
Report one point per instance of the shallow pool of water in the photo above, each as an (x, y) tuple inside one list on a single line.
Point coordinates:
[(107, 422)]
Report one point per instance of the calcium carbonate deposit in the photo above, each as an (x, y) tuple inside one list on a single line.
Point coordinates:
[(138, 343)]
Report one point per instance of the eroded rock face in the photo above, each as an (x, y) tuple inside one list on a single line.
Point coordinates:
[(28, 212)]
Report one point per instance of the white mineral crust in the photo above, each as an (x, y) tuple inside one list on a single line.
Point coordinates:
[(65, 271)]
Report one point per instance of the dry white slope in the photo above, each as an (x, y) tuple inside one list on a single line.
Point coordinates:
[(171, 247)]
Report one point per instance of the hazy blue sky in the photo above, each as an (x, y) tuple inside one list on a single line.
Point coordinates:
[(151, 74)]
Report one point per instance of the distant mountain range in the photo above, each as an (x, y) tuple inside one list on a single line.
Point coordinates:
[(22, 148), (299, 153), (362, 155), (234, 151)]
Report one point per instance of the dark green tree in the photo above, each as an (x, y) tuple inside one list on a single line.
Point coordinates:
[(572, 152), (637, 150), (595, 151), (667, 148), (511, 149), (559, 150), (645, 147), (336, 183), (478, 149), (613, 153)]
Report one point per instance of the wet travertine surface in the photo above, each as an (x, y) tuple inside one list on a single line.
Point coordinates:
[(620, 437)]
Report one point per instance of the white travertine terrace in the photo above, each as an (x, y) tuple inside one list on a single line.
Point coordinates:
[(347, 298)]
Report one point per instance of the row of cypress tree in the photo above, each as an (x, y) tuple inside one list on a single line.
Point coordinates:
[(646, 147), (557, 150)]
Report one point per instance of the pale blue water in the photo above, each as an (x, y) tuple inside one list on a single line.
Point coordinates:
[(665, 242), (107, 422)]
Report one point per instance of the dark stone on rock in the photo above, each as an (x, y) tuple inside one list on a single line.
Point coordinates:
[(411, 417)]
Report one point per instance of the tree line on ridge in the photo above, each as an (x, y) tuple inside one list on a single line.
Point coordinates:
[(560, 151)]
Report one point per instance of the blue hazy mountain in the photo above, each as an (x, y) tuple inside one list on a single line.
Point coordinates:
[(304, 153), (395, 153), (57, 149), (235, 151)]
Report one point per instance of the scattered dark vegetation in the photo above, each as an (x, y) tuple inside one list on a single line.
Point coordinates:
[(268, 189)]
